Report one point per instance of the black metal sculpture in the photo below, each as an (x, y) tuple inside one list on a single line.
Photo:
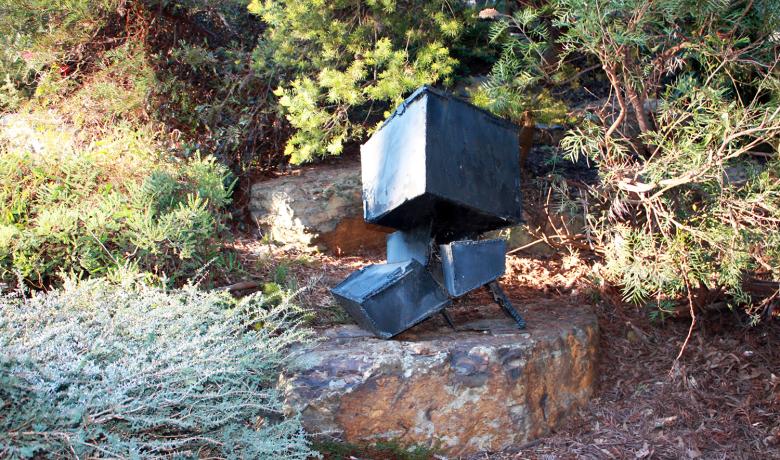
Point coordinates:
[(442, 172)]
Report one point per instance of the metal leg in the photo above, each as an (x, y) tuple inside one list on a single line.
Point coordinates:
[(501, 299), (448, 318)]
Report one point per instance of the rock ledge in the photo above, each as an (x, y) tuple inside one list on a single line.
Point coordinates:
[(486, 386), (316, 207)]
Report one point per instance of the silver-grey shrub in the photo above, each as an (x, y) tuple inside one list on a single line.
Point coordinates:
[(100, 370)]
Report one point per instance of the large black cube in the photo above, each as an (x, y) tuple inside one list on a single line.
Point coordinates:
[(443, 162)]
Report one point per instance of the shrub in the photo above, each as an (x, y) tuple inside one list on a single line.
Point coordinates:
[(689, 201), (202, 52), (182, 63), (517, 86), (99, 370), (120, 88), (43, 40), (85, 210), (89, 185), (338, 62)]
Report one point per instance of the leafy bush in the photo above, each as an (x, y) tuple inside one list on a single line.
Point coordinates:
[(98, 370), (44, 40), (183, 64), (89, 184), (207, 90), (86, 210), (338, 62), (196, 67), (689, 200), (120, 89)]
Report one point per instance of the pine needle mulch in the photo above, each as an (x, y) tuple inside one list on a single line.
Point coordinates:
[(720, 401)]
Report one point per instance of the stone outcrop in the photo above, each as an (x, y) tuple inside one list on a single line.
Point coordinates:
[(486, 386), (316, 206)]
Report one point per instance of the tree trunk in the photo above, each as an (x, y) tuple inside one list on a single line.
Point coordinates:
[(635, 98), (638, 103), (526, 137)]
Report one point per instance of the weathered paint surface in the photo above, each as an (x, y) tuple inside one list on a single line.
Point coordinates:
[(443, 163), (466, 391), (387, 299)]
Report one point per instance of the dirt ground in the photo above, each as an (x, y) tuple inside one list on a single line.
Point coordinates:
[(720, 401)]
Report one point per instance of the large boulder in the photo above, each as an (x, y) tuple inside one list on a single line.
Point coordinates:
[(316, 206), (487, 386)]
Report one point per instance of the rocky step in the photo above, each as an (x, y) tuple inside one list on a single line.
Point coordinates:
[(483, 387)]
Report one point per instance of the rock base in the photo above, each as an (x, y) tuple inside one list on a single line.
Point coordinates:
[(316, 207), (484, 387)]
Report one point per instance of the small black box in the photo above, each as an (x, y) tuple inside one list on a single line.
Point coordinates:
[(468, 264), (387, 299)]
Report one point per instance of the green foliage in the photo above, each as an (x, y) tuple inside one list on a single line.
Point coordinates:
[(517, 86), (389, 449), (693, 201), (39, 38), (207, 89), (104, 61), (712, 206), (85, 210), (91, 185), (338, 62), (687, 149), (99, 370), (120, 90)]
